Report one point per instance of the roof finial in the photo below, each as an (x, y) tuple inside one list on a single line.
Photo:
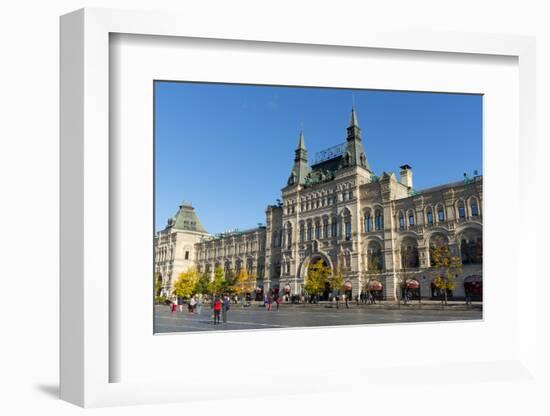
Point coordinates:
[(353, 119), (301, 143)]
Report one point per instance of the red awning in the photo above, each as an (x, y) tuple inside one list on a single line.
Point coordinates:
[(412, 284), (375, 285)]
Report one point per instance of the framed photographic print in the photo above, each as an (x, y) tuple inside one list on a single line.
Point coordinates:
[(298, 202)]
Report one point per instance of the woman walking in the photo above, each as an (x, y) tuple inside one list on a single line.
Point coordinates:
[(217, 307)]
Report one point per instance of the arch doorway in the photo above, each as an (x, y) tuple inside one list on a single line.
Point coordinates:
[(474, 286), (325, 262)]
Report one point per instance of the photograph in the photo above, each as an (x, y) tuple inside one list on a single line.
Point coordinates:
[(293, 207)]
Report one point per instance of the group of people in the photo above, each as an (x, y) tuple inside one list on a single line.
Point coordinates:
[(367, 298), (269, 299), (193, 306), (220, 305)]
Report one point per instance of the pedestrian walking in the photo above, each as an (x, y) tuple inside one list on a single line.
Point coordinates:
[(180, 303), (192, 304), (269, 300), (277, 301), (174, 303), (216, 308), (225, 307), (346, 300), (199, 305)]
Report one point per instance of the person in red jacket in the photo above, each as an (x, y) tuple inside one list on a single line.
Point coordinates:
[(217, 307)]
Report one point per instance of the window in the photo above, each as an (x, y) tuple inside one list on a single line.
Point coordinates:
[(350, 196), (325, 229), (411, 218), (473, 206), (430, 217), (317, 231), (334, 199), (309, 232), (368, 223), (401, 222), (302, 233), (334, 228), (343, 196), (461, 211), (347, 225), (440, 214), (378, 220), (289, 239)]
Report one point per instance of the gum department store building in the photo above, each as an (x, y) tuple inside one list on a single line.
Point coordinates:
[(375, 230)]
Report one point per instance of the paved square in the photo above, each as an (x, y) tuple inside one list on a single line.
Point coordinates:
[(255, 317)]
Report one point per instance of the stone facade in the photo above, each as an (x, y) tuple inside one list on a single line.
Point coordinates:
[(375, 230)]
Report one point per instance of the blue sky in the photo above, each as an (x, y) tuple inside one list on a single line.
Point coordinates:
[(228, 149)]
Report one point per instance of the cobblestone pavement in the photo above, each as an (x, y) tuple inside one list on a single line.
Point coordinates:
[(255, 317)]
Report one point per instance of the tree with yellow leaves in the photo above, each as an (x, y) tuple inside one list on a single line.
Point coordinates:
[(445, 268), (336, 281), (317, 277), (244, 283), (186, 283)]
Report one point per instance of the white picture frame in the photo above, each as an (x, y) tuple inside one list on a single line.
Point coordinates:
[(87, 356)]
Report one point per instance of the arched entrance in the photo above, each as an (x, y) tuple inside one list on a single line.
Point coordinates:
[(326, 262), (473, 285)]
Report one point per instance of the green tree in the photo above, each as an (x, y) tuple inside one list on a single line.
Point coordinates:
[(158, 289), (186, 283), (445, 268), (218, 284), (317, 277), (202, 284), (336, 281)]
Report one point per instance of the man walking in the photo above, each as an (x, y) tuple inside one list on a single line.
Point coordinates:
[(225, 308)]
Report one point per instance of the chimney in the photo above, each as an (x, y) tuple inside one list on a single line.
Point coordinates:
[(406, 176)]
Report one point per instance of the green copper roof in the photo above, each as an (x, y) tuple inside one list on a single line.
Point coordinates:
[(186, 219)]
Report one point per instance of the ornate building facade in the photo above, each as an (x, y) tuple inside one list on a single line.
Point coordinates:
[(377, 231)]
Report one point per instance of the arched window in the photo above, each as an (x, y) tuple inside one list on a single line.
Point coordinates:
[(375, 261), (439, 248), (411, 218), (378, 220), (309, 232), (368, 222), (474, 208), (401, 221), (302, 233), (317, 230), (429, 216), (289, 235), (409, 253), (325, 229), (334, 227), (440, 214), (461, 210), (347, 225), (471, 247)]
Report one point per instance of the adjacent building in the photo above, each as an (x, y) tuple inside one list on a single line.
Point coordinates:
[(378, 231)]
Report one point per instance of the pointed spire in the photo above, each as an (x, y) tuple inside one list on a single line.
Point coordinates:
[(353, 119), (301, 143)]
